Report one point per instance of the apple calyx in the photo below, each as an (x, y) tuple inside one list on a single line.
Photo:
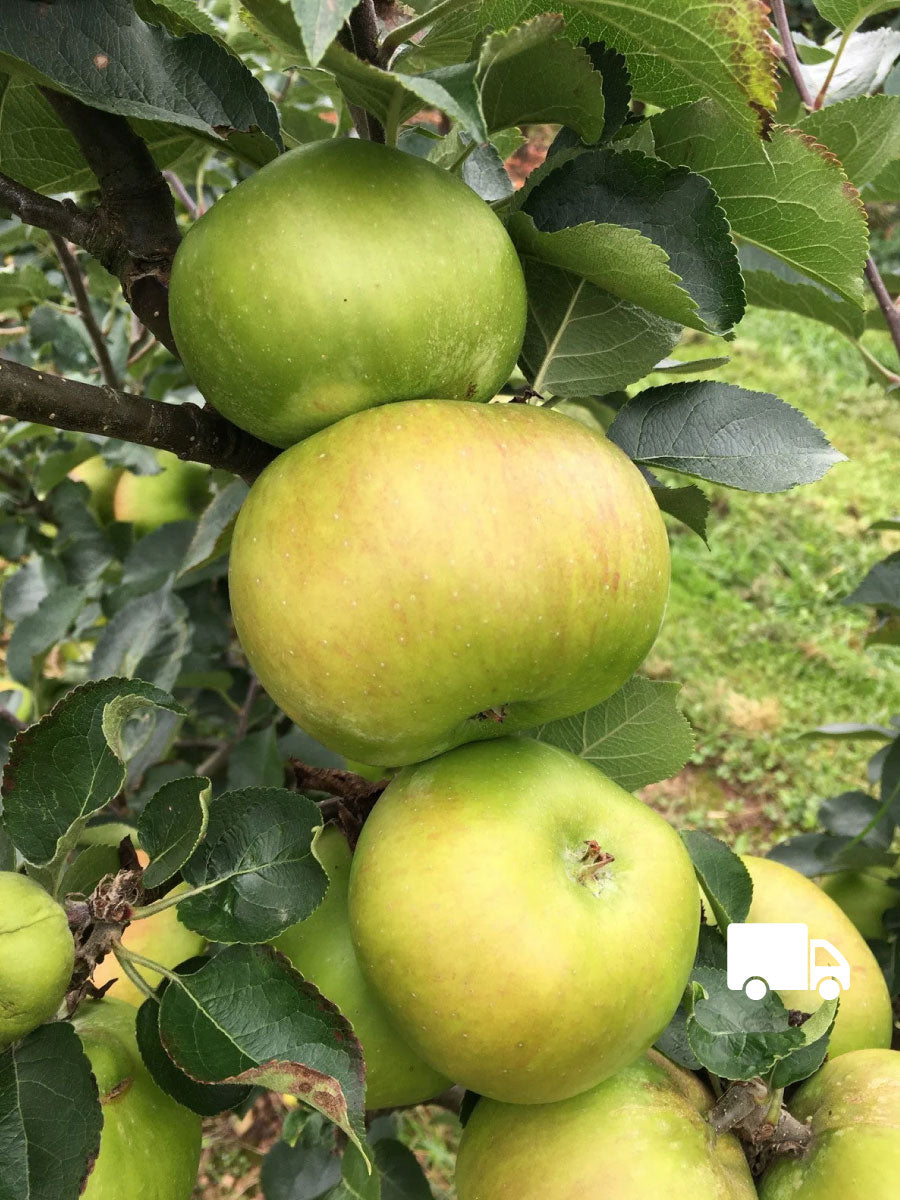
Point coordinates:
[(592, 862), (497, 714)]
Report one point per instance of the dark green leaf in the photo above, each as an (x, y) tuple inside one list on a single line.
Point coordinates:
[(24, 590), (306, 1169), (802, 1062), (890, 779), (213, 530), (689, 504), (256, 761), (724, 878), (172, 825), (92, 863), (401, 1176), (814, 854), (319, 22), (881, 586), (771, 283), (848, 814), (41, 630), (148, 637)]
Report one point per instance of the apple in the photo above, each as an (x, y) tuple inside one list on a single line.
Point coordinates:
[(321, 950), (150, 1144), (101, 481), (37, 955), (864, 1018), (640, 1135), (853, 1106), (529, 926), (161, 937), (344, 275), (425, 574), (177, 493), (865, 896)]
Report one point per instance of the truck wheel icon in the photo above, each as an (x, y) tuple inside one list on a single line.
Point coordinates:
[(829, 989), (755, 989)]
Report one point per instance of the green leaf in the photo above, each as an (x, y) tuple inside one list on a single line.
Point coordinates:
[(147, 638), (70, 764), (247, 1016), (529, 75), (319, 22), (771, 283), (724, 878), (304, 1166), (802, 1062), (23, 286), (50, 1115), (255, 865), (649, 234), (101, 52), (766, 189), (865, 64), (689, 505), (580, 340), (864, 133), (24, 590), (172, 825), (41, 630), (92, 863), (636, 737), (256, 760), (723, 433), (213, 532), (178, 16), (847, 14), (880, 587), (402, 1178)]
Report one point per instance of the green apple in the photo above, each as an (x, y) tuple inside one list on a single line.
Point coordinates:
[(865, 896), (322, 951), (508, 947), (177, 493), (641, 1135), (150, 1144), (782, 894), (36, 956), (853, 1107), (101, 481), (341, 276), (425, 574), (161, 937)]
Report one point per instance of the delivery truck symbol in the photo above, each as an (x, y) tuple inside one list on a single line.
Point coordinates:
[(767, 956)]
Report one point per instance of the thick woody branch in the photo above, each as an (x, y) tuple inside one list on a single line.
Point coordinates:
[(61, 217), (193, 433)]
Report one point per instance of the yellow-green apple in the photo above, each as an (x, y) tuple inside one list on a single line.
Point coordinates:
[(322, 951), (341, 276), (425, 574), (529, 926), (781, 894), (853, 1107), (641, 1135), (150, 1144), (36, 956), (101, 481), (865, 896), (161, 937), (177, 493)]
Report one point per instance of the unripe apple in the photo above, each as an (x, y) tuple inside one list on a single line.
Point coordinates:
[(425, 574), (341, 276), (641, 1135), (529, 926), (150, 1144), (161, 937), (101, 481), (865, 896), (36, 956), (321, 950), (853, 1107), (177, 493), (864, 1018)]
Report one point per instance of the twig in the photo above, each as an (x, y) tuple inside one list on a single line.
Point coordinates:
[(360, 37), (219, 757), (344, 784), (75, 280), (62, 217), (182, 193), (190, 432)]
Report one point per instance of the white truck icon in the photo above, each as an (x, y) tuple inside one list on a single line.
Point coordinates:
[(763, 956)]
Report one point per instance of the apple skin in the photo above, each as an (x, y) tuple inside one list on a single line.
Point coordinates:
[(344, 275), (640, 1135), (177, 493), (864, 1018), (161, 937), (150, 1144), (853, 1104), (101, 481), (320, 948), (398, 576), (865, 896), (37, 955), (504, 970)]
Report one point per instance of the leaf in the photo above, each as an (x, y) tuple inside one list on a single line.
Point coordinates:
[(101, 52), (580, 340), (864, 133), (724, 878), (172, 825), (178, 16), (851, 729), (689, 504), (402, 1178), (847, 14), (92, 863), (148, 637), (767, 191), (203, 1098), (636, 737), (865, 64), (690, 366), (256, 866), (881, 586), (319, 22), (304, 1169), (358, 1181), (802, 1062), (528, 75), (256, 760), (213, 531), (771, 283), (39, 631), (71, 763), (848, 814), (26, 588), (23, 286), (587, 214), (723, 433), (247, 1016), (50, 1115), (814, 854), (890, 779)]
